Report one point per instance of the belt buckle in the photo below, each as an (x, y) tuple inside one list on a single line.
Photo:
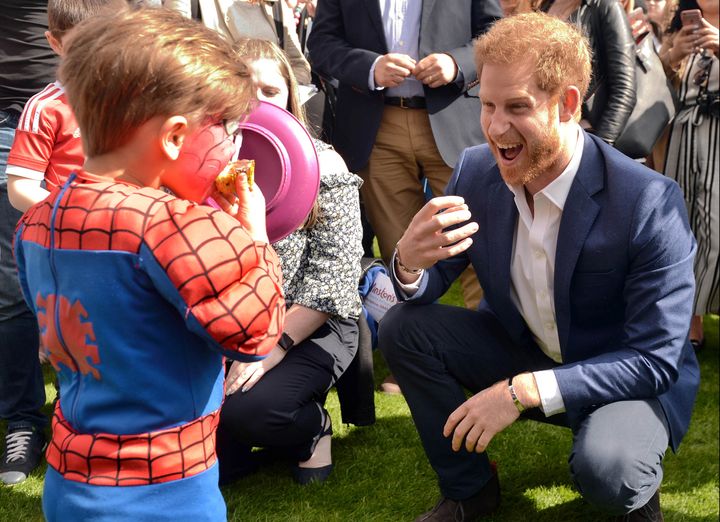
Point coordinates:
[(402, 103)]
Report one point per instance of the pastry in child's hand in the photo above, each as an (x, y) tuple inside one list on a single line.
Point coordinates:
[(225, 182)]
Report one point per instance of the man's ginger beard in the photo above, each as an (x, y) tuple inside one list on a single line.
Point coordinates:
[(541, 153)]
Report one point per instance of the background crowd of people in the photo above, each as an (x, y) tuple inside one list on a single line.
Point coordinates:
[(398, 101)]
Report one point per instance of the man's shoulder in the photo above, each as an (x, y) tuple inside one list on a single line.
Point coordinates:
[(479, 163), (478, 156), (630, 184), (626, 172)]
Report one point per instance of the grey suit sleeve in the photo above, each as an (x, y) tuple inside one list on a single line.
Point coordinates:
[(483, 14)]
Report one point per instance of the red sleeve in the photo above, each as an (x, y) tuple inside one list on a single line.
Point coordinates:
[(231, 284), (34, 138)]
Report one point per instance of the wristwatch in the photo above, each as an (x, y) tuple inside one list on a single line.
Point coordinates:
[(286, 342), (513, 395)]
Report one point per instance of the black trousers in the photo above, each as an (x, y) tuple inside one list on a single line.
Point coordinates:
[(436, 351), (285, 408)]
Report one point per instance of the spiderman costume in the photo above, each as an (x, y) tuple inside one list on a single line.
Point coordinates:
[(139, 296)]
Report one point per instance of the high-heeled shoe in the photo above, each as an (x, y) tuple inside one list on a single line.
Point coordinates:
[(306, 476)]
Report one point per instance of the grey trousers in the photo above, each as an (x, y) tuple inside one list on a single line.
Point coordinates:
[(435, 351)]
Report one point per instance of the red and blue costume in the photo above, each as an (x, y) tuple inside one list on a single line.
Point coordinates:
[(139, 296)]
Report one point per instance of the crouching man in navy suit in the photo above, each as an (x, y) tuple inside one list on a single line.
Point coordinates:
[(586, 259)]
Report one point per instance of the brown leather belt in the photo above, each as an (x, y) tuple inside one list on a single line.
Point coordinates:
[(416, 102)]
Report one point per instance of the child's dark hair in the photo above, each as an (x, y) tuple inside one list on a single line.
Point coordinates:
[(63, 15)]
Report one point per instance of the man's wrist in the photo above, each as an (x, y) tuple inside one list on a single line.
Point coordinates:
[(511, 389), (404, 268), (526, 391)]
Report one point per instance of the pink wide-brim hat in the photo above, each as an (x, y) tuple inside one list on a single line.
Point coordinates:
[(286, 166)]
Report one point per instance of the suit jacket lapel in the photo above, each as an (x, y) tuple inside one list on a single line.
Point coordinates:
[(427, 7), (502, 216), (578, 216), (373, 7)]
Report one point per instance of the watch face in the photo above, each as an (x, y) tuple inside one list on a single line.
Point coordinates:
[(285, 342)]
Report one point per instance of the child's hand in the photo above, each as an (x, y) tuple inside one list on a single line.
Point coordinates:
[(248, 207)]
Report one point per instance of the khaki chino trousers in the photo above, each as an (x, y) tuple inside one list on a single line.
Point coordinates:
[(404, 152)]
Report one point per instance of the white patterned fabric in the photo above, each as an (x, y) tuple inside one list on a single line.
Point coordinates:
[(321, 265)]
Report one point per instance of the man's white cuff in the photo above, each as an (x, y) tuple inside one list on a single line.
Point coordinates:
[(371, 78), (552, 401)]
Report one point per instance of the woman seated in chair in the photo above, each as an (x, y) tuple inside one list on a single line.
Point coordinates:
[(278, 403)]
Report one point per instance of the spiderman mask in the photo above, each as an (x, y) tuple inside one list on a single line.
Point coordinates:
[(203, 156)]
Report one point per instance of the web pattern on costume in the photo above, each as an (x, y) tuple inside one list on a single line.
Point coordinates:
[(132, 460), (229, 282)]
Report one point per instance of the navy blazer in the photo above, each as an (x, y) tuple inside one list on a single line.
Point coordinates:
[(624, 281), (346, 38)]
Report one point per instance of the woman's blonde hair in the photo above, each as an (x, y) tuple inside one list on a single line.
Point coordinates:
[(252, 49), (125, 68)]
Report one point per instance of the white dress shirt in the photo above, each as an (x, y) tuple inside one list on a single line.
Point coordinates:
[(401, 22), (532, 270)]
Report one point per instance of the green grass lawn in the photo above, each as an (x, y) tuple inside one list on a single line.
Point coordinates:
[(381, 473)]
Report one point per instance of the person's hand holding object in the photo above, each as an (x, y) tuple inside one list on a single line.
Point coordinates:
[(425, 242)]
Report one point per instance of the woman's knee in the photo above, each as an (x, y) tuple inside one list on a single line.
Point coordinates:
[(248, 414)]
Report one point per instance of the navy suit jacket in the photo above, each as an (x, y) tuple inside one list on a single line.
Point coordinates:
[(624, 281), (346, 38)]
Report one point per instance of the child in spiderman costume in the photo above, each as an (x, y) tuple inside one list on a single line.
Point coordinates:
[(139, 294)]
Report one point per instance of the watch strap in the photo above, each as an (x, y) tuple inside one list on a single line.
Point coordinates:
[(286, 342), (513, 395)]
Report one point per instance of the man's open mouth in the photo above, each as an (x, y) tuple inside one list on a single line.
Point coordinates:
[(509, 152)]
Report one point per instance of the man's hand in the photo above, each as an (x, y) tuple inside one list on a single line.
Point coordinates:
[(489, 412), (424, 243), (245, 375), (392, 69), (436, 70)]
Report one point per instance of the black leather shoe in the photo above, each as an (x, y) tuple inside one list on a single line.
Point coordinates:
[(479, 505), (649, 512)]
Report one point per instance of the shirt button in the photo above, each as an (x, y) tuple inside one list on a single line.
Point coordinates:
[(538, 254), (401, 42), (550, 326)]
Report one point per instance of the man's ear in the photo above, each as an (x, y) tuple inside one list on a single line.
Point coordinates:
[(173, 133), (570, 104), (55, 44)]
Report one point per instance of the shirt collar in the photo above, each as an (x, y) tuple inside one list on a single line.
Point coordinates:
[(557, 191)]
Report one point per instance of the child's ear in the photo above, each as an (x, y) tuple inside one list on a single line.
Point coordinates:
[(55, 44), (173, 132)]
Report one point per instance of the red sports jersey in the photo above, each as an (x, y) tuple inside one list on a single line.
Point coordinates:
[(47, 140)]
